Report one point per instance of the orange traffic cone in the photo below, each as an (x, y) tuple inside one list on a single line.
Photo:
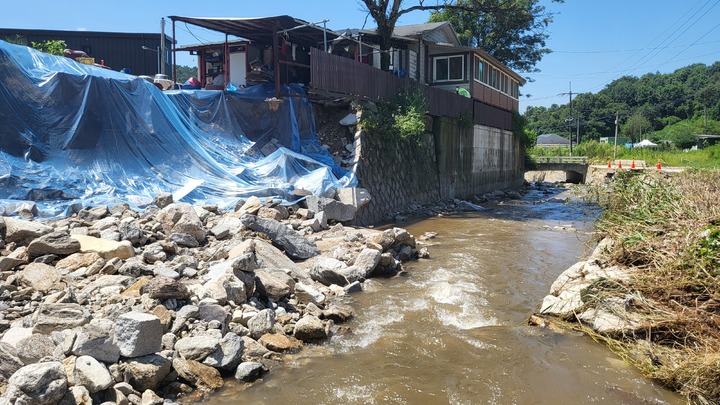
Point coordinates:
[(632, 166), (619, 164), (659, 166), (609, 165)]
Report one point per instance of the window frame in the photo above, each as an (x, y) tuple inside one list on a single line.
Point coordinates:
[(447, 58)]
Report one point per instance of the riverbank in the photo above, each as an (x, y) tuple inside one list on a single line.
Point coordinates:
[(116, 305), (650, 290)]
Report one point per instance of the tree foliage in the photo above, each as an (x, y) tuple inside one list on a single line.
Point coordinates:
[(513, 33), (387, 12), (661, 106), (51, 46), (186, 72)]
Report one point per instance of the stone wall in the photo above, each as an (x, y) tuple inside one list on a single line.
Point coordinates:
[(452, 162)]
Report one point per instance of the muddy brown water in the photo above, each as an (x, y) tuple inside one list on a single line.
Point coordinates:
[(453, 330)]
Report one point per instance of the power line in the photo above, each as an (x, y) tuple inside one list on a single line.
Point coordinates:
[(633, 50)]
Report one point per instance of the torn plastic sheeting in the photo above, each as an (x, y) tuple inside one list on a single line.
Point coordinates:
[(78, 134)]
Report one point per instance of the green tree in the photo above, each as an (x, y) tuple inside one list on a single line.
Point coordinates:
[(51, 46), (387, 12), (186, 72), (515, 35), (635, 126)]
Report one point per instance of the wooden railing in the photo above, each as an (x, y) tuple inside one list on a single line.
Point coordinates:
[(336, 74)]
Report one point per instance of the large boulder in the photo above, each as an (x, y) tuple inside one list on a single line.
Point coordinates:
[(147, 372), (34, 348), (333, 209), (92, 374), (59, 316), (249, 371), (197, 374), (182, 218), (96, 340), (15, 258), (310, 329), (328, 271), (228, 355), (21, 231), (107, 249), (54, 243), (273, 285), (41, 277), (39, 384), (197, 347), (294, 244), (262, 323), (138, 334), (162, 288), (9, 361)]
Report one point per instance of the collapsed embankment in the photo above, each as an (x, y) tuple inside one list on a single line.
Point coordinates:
[(650, 290)]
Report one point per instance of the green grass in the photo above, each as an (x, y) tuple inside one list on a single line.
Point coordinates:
[(601, 153)]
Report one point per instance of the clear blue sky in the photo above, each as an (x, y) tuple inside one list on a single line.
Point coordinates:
[(594, 41)]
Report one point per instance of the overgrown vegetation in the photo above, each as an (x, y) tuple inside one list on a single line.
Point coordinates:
[(51, 46), (402, 120), (601, 153), (668, 228)]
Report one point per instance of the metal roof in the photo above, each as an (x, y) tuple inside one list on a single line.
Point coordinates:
[(261, 29), (552, 139)]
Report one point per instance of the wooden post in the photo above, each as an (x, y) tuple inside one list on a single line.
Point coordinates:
[(276, 60), (174, 77)]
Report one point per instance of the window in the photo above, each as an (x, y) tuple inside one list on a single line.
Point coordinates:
[(448, 68), (481, 72)]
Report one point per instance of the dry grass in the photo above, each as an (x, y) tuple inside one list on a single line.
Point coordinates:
[(669, 228)]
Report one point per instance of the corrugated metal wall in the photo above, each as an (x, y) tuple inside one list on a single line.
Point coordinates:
[(118, 50)]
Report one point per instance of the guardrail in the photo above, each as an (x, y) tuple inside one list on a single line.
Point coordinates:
[(575, 160)]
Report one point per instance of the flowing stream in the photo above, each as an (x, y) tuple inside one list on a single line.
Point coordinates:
[(453, 329)]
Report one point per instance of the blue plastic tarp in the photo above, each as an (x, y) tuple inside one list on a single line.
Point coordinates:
[(75, 135)]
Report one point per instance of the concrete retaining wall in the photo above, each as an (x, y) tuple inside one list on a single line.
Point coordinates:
[(452, 162)]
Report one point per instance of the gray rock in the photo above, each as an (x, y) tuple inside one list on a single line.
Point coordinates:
[(9, 361), (273, 285), (15, 258), (94, 214), (96, 340), (181, 218), (147, 372), (21, 231), (349, 120), (294, 243), (249, 371), (251, 206), (53, 243), (211, 312), (465, 206), (184, 240), (333, 209), (263, 322), (131, 231), (354, 196), (327, 271), (163, 199), (354, 287), (38, 384), (59, 316), (92, 374), (253, 349), (310, 329), (338, 313), (41, 277), (138, 334), (77, 395), (34, 348), (154, 253), (196, 347), (308, 293), (228, 355)]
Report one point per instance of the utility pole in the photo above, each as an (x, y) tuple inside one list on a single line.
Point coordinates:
[(578, 132), (162, 46), (617, 117), (569, 119)]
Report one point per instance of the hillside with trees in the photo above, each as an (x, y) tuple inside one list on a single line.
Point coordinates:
[(661, 107)]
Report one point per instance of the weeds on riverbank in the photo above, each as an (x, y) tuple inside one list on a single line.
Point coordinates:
[(669, 229)]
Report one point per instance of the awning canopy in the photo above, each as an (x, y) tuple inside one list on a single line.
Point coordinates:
[(261, 29)]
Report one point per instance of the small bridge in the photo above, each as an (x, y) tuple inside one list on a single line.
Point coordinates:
[(575, 167)]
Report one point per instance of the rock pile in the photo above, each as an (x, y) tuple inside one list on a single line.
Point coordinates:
[(117, 306)]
